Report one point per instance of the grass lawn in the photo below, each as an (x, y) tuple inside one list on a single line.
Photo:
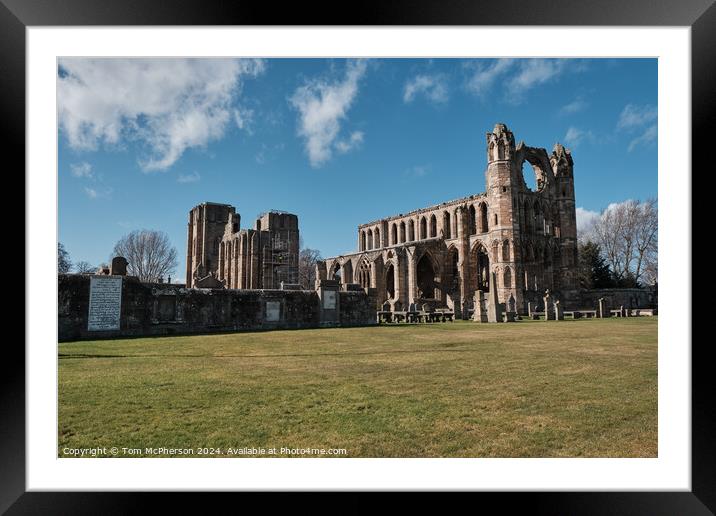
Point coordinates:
[(585, 388)]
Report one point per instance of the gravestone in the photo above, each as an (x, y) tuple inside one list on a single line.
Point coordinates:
[(119, 266), (558, 311), (510, 314), (480, 313), (494, 311), (330, 309), (105, 303), (329, 300), (548, 306), (602, 308), (273, 311)]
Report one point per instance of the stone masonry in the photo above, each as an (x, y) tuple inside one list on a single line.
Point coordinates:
[(441, 255), (222, 255)]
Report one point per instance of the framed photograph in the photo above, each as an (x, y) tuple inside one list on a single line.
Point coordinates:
[(447, 273)]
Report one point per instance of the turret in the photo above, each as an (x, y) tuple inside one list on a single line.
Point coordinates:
[(563, 169), (499, 178), (500, 144), (503, 183)]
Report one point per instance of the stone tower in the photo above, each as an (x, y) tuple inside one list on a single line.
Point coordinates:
[(566, 220), (280, 248), (222, 255), (502, 185), (207, 223)]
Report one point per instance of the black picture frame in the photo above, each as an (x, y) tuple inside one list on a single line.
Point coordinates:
[(700, 15)]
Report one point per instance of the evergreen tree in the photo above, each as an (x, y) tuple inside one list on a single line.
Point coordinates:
[(594, 271), (627, 281)]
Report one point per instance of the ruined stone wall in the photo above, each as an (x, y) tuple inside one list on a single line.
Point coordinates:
[(443, 253), (206, 227), (164, 309), (221, 254), (356, 308), (616, 297)]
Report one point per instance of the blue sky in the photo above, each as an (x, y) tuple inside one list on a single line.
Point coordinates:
[(338, 142)]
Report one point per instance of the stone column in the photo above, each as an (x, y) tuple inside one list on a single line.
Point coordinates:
[(399, 282), (601, 309), (412, 274), (463, 260)]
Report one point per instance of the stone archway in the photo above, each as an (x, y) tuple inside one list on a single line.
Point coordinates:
[(390, 280), (335, 273), (479, 268), (426, 276)]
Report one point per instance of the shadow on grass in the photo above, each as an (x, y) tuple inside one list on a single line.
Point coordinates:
[(443, 349)]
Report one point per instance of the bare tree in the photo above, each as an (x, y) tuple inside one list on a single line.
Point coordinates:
[(647, 242), (150, 254), (83, 267), (628, 236), (64, 265), (307, 259)]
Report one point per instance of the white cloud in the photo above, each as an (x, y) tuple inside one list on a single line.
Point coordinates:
[(189, 178), (634, 117), (647, 138), (168, 104), (640, 119), (517, 76), (417, 171), (322, 106), (482, 80), (585, 218), (355, 140), (83, 169), (94, 193), (577, 105), (432, 87), (533, 72), (575, 136), (244, 119)]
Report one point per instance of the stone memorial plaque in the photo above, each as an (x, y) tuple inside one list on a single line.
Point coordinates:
[(105, 303), (329, 300), (273, 311)]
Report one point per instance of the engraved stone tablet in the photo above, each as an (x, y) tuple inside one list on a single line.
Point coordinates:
[(105, 303), (329, 300), (273, 311)]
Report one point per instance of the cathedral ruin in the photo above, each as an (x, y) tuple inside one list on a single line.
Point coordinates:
[(222, 255), (488, 257), (443, 254)]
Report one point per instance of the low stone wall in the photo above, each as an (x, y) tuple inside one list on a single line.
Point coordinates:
[(617, 297), (164, 309), (356, 308)]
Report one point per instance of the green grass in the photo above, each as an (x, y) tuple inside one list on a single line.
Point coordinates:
[(585, 388)]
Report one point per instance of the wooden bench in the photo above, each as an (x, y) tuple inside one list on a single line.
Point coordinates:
[(384, 316)]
